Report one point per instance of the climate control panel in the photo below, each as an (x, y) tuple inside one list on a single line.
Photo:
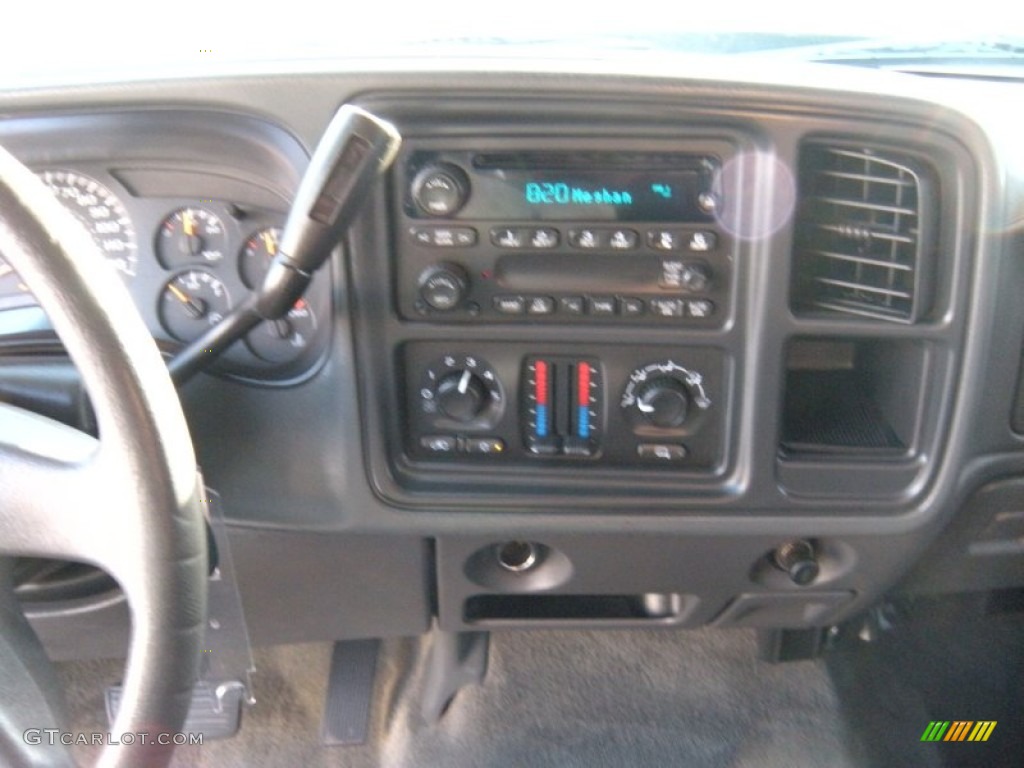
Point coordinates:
[(518, 404)]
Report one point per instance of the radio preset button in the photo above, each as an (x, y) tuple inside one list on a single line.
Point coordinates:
[(601, 305), (509, 237), (510, 305), (571, 305), (544, 238), (667, 307), (631, 307), (588, 239), (540, 305), (664, 240), (623, 239)]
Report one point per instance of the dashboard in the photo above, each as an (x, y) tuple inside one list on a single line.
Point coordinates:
[(601, 350)]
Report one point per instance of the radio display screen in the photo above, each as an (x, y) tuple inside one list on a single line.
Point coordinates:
[(586, 195), (549, 185)]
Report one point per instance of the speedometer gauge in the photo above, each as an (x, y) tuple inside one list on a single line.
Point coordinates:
[(101, 213)]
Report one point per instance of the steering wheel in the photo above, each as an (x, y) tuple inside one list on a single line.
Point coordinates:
[(128, 502)]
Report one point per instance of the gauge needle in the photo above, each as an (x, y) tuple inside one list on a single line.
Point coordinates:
[(192, 240), (195, 308), (270, 243), (464, 382)]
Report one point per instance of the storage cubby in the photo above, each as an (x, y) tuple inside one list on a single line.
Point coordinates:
[(853, 396)]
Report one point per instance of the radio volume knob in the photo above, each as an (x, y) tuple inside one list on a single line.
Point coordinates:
[(443, 286), (440, 190), (663, 402)]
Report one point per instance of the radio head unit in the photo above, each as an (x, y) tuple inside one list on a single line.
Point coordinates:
[(561, 236)]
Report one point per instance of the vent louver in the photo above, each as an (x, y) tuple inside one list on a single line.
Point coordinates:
[(864, 238)]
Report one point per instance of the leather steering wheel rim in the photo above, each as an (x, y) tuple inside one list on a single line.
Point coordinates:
[(129, 503)]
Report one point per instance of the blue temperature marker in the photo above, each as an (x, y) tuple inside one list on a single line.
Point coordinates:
[(542, 421), (583, 422)]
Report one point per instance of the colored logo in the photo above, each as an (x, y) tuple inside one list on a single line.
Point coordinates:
[(958, 730)]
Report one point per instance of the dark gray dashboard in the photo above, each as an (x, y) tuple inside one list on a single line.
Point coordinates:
[(867, 433)]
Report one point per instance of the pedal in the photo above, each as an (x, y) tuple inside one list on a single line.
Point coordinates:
[(215, 712), (346, 719)]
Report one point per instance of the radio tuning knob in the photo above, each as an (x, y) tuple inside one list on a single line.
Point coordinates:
[(462, 395), (440, 190), (443, 286), (663, 402)]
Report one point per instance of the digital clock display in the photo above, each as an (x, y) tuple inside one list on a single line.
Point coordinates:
[(566, 193)]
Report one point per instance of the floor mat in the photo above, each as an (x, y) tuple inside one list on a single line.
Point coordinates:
[(562, 699), (950, 658)]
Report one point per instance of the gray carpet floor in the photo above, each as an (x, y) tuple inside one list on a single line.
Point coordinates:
[(559, 699)]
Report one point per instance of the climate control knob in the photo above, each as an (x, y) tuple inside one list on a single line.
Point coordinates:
[(663, 402), (462, 395), (665, 398)]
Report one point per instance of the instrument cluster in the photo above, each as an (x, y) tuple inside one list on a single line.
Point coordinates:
[(187, 262)]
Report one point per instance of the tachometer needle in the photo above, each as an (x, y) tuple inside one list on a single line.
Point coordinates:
[(194, 307)]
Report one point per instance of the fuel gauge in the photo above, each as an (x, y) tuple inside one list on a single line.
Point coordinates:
[(284, 340), (191, 235)]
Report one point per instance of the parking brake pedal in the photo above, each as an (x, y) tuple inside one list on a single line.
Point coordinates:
[(226, 663), (215, 712)]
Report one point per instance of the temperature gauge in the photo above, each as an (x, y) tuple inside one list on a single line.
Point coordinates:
[(190, 235), (257, 253), (284, 340), (192, 302)]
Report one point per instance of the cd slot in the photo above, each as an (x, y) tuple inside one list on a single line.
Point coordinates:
[(578, 272), (589, 160)]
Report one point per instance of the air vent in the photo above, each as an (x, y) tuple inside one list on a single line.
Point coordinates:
[(865, 233)]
